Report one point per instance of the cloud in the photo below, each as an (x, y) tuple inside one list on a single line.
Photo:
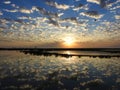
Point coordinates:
[(12, 11), (55, 15), (19, 21), (7, 2), (78, 7), (94, 1), (62, 6), (112, 4), (117, 17), (6, 21), (69, 23), (34, 8), (48, 13), (23, 17), (1, 13), (14, 5), (116, 7), (27, 11), (50, 3), (92, 14), (58, 6), (60, 14), (51, 21), (102, 3), (42, 10), (2, 28), (71, 19)]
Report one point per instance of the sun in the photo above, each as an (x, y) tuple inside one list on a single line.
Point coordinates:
[(69, 41)]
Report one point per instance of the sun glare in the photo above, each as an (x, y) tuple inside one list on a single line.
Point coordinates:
[(69, 41)]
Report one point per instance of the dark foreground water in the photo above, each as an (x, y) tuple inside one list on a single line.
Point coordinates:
[(19, 71)]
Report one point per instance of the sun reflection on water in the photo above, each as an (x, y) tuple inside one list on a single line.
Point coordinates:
[(68, 52)]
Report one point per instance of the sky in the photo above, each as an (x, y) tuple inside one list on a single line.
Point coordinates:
[(60, 23)]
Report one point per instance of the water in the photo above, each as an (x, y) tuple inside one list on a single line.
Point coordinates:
[(32, 72), (74, 52)]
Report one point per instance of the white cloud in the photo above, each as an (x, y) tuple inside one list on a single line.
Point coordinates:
[(60, 14), (71, 19), (92, 14), (61, 6), (25, 11), (53, 22), (1, 13), (7, 2), (50, 3), (94, 1), (84, 7), (58, 6), (15, 6), (116, 7), (12, 11), (76, 9), (23, 17), (45, 12), (117, 16), (34, 8), (102, 3)]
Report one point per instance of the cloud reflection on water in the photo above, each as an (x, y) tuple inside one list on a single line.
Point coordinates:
[(40, 72)]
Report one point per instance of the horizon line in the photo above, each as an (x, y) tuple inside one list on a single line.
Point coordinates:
[(19, 48)]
